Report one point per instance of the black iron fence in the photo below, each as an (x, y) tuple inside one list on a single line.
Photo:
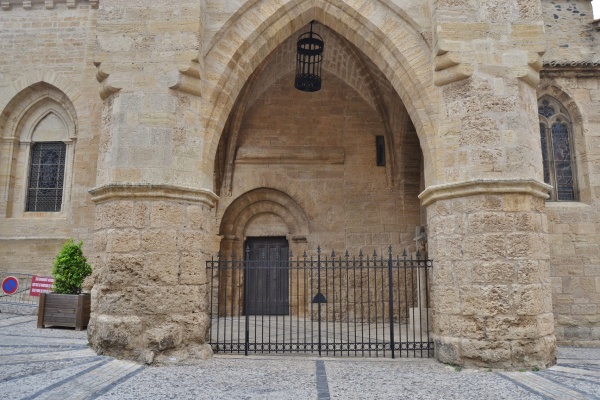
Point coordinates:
[(323, 304)]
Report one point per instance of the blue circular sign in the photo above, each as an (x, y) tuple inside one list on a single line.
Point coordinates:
[(10, 285)]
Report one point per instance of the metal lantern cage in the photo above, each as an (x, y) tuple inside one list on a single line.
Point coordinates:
[(308, 61)]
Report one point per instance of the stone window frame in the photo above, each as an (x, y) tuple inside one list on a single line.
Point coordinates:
[(23, 139), (547, 122)]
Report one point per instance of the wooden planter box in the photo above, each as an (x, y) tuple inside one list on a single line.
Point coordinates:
[(70, 310)]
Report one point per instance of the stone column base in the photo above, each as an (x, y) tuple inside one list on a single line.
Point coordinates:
[(504, 354), (150, 297)]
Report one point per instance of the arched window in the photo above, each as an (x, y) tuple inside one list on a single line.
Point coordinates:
[(46, 176), (37, 146), (557, 149)]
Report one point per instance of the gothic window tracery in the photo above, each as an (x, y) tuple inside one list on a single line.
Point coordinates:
[(557, 150)]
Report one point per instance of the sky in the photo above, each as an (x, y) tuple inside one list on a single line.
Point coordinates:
[(596, 5)]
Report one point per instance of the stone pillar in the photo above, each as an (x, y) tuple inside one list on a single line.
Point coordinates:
[(491, 294), (155, 224)]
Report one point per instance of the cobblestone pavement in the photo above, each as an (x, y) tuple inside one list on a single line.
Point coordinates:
[(57, 364)]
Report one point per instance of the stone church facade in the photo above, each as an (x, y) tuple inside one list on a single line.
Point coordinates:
[(174, 131)]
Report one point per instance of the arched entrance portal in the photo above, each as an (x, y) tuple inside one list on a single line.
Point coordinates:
[(348, 155), (340, 169)]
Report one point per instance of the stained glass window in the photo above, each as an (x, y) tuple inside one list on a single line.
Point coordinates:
[(558, 157), (545, 109), (46, 177)]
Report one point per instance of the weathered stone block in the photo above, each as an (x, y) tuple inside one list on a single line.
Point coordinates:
[(528, 299), (163, 337), (485, 352), (141, 215), (122, 241), (112, 335), (534, 353), (159, 240), (499, 327), (492, 272), (121, 270), (485, 300), (164, 214), (193, 269), (161, 269), (117, 214)]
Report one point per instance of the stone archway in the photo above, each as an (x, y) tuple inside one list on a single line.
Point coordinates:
[(252, 34), (260, 202), (478, 189)]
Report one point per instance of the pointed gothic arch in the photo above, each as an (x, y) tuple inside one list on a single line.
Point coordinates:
[(40, 119), (252, 34), (576, 121)]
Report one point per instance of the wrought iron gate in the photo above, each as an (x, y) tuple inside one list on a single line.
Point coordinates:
[(334, 305)]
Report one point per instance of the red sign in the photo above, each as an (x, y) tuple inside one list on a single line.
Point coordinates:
[(10, 285), (41, 284)]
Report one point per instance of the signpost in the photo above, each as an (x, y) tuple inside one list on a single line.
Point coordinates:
[(40, 284), (10, 284)]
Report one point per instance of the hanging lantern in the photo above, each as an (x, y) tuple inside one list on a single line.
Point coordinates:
[(308, 61)]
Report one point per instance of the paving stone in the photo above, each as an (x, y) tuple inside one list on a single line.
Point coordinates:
[(57, 364)]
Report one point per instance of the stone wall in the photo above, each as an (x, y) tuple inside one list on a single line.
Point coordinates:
[(573, 226), (569, 30), (340, 188), (49, 46)]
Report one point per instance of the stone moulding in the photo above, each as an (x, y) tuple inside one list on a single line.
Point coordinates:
[(7, 5), (586, 69), (449, 67), (530, 73), (189, 80), (153, 192), (102, 77), (572, 64), (290, 155), (484, 186)]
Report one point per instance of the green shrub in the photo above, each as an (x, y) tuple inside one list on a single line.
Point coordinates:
[(70, 269)]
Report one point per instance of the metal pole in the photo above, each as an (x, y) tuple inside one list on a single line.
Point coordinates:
[(319, 291), (391, 300), (246, 286)]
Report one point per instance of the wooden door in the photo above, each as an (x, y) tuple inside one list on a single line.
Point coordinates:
[(268, 276)]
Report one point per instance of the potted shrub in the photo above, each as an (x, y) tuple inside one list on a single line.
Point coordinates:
[(66, 305)]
